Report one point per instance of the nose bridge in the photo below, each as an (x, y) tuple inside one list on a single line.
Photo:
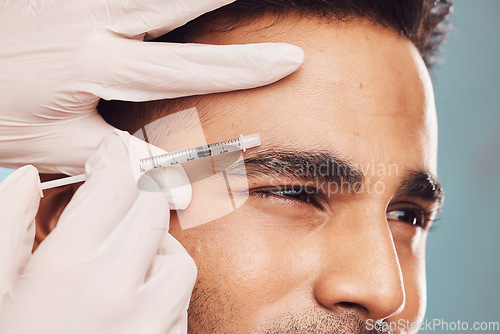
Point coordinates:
[(360, 268)]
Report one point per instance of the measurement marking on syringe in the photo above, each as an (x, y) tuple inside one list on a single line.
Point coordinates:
[(179, 157)]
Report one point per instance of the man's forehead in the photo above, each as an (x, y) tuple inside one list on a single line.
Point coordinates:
[(362, 89), (362, 138)]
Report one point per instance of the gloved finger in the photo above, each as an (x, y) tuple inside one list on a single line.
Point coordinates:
[(19, 201), (79, 136), (172, 181), (141, 232), (102, 201), (135, 241), (152, 71), (129, 221), (172, 268), (82, 136), (156, 17)]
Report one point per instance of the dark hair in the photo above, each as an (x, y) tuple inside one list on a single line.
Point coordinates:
[(423, 22)]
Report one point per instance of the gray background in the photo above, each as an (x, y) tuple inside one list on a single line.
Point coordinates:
[(463, 265), (463, 253)]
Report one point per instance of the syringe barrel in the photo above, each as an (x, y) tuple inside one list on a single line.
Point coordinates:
[(175, 158)]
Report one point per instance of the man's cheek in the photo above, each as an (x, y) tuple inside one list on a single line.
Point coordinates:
[(233, 251), (245, 257)]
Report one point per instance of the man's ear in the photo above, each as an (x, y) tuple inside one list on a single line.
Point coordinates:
[(52, 205)]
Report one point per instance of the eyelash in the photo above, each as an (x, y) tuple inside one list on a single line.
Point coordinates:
[(313, 196), (418, 216)]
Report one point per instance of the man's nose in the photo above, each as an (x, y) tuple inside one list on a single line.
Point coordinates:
[(360, 269)]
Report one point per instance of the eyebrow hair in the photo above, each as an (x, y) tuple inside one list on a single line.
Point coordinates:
[(422, 184), (308, 166), (328, 167)]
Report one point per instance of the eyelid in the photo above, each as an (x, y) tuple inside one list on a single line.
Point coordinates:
[(425, 213), (316, 195)]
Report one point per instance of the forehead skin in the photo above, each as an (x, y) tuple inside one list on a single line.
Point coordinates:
[(363, 92)]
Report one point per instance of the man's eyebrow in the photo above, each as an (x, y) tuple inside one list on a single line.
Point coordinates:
[(421, 184), (317, 166)]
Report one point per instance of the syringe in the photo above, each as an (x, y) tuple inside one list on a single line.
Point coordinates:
[(190, 154), (242, 143)]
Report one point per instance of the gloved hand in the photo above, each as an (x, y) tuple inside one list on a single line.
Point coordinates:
[(108, 267), (58, 57), (19, 200)]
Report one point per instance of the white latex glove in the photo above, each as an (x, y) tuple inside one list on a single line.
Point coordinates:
[(58, 57), (108, 267), (19, 200)]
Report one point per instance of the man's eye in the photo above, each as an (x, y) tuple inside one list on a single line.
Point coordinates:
[(302, 194), (412, 216)]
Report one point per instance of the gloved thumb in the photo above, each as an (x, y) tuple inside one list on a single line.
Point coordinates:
[(172, 180), (19, 200)]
